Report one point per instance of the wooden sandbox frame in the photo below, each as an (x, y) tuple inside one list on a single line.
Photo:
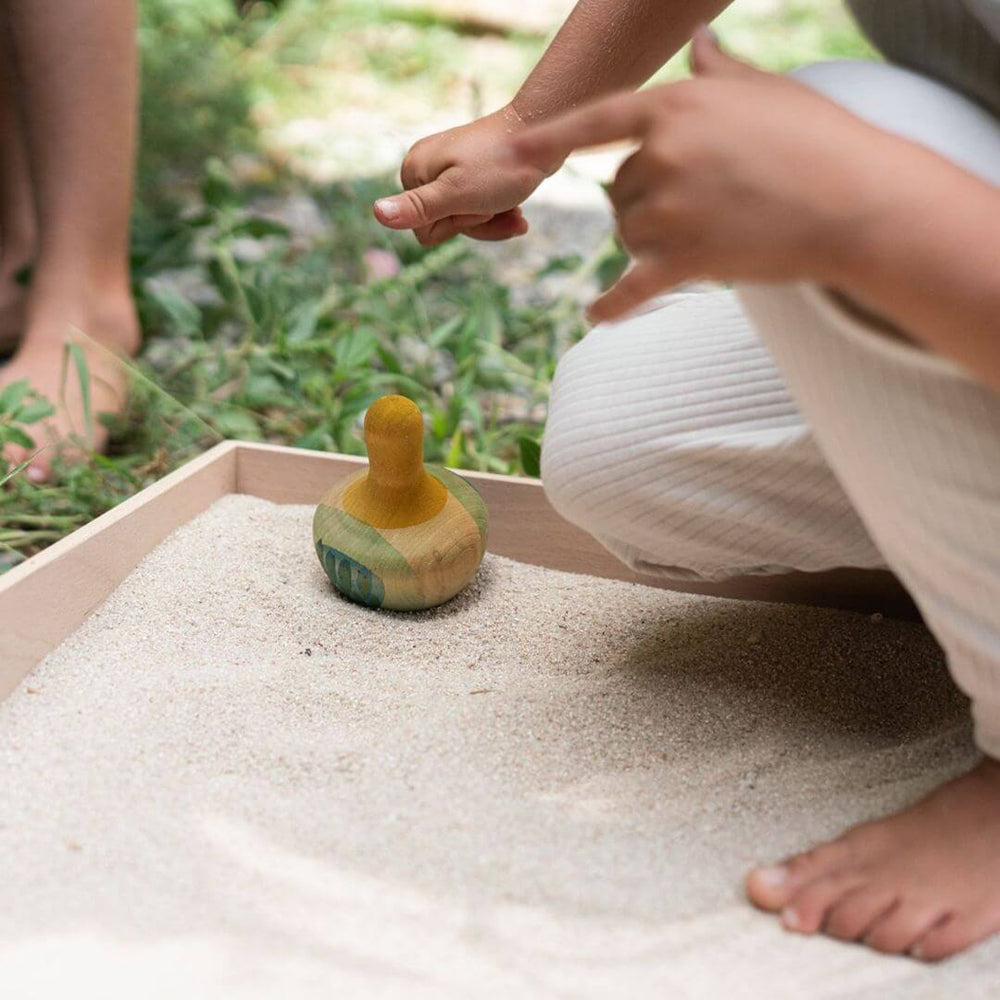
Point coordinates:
[(51, 594)]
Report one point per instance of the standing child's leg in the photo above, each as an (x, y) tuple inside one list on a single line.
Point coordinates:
[(17, 204), (75, 66)]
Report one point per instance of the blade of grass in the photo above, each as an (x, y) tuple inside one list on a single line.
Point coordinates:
[(74, 353), (18, 469), (137, 374)]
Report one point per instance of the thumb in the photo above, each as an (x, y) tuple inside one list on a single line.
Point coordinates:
[(708, 59), (421, 206)]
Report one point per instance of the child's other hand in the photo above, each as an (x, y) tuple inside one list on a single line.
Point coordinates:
[(741, 175), (464, 181)]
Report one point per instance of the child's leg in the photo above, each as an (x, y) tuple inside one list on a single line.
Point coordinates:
[(76, 81), (672, 439), (17, 206), (916, 445)]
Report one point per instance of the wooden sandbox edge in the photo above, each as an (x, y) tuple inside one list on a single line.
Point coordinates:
[(525, 526), (51, 594)]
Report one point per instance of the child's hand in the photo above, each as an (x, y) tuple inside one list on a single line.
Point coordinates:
[(741, 176), (464, 181)]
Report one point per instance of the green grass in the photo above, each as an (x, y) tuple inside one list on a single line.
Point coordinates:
[(256, 332), (290, 343)]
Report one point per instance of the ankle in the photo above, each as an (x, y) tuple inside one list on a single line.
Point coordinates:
[(106, 316)]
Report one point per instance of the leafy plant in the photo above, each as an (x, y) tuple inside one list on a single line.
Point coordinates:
[(20, 407)]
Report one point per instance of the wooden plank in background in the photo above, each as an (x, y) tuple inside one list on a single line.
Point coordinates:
[(525, 526)]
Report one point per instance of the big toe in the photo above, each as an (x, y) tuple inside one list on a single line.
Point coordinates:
[(768, 887), (773, 887)]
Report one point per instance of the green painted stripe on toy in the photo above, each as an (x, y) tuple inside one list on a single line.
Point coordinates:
[(351, 578), (465, 494), (359, 541)]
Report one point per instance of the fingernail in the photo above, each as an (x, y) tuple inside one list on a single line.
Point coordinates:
[(387, 208), (790, 918), (917, 951), (708, 30), (35, 474), (772, 877)]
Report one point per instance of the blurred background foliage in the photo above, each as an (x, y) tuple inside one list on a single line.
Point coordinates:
[(273, 306)]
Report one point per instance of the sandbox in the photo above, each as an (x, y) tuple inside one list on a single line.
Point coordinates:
[(230, 782)]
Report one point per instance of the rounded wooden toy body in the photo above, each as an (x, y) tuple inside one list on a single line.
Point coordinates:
[(402, 568)]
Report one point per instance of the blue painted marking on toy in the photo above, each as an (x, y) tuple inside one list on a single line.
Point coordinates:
[(352, 579)]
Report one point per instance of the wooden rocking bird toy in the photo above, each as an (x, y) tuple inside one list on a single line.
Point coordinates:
[(400, 534)]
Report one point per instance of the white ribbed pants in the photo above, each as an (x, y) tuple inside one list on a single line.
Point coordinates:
[(721, 434)]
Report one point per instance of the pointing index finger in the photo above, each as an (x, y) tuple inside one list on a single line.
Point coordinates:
[(620, 116)]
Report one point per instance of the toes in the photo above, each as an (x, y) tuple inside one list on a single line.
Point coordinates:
[(902, 926), (769, 888), (773, 888), (851, 917), (954, 934), (807, 910), (38, 472)]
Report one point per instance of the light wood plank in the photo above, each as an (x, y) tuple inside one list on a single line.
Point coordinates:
[(524, 526), (50, 595)]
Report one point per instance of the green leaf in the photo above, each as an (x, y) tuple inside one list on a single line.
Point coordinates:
[(117, 468), (389, 360), (258, 228), (199, 220), (217, 188), (13, 394), (611, 268), (318, 439), (446, 330), (16, 436), (280, 369), (302, 321), (398, 383), (182, 314), (234, 423), (439, 424), (31, 413), (531, 456), (355, 348), (263, 390), (559, 265), (455, 449)]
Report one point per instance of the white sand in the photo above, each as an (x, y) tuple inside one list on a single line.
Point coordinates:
[(232, 783)]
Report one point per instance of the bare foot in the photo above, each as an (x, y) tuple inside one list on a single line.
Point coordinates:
[(108, 334), (925, 881)]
